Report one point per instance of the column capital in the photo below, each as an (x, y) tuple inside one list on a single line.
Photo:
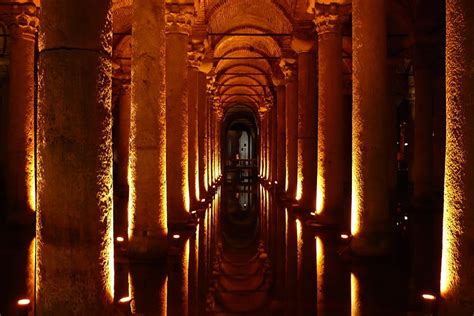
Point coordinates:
[(25, 25), (327, 19), (196, 55), (179, 19), (289, 67), (304, 37)]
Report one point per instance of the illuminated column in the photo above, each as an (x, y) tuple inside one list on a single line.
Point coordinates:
[(202, 135), (290, 68), (264, 144), (274, 142), (194, 61), (21, 138), (74, 212), (281, 133), (370, 141), (331, 158), (219, 116), (307, 125), (122, 150), (178, 27), (123, 137), (147, 163), (457, 280)]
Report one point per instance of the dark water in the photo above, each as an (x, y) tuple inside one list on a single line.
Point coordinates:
[(249, 255)]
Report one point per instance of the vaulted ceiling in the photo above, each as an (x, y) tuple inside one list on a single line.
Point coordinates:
[(246, 38)]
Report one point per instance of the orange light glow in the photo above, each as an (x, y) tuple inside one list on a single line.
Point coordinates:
[(299, 247), (355, 296), (344, 236), (125, 300), (320, 268), (31, 268), (120, 239), (300, 179), (355, 212), (176, 236), (24, 302), (428, 297), (320, 189)]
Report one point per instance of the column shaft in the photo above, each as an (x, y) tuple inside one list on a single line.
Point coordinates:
[(178, 20), (202, 136), (332, 160), (193, 158), (147, 163), (122, 152), (291, 137), (457, 280), (74, 212), (281, 136), (274, 145), (370, 141), (21, 138), (307, 130)]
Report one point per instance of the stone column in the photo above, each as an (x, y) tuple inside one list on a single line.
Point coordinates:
[(307, 125), (457, 280), (122, 150), (331, 157), (147, 163), (74, 212), (194, 61), (123, 144), (274, 145), (219, 116), (289, 68), (202, 135), (21, 138), (370, 141), (281, 133), (178, 27)]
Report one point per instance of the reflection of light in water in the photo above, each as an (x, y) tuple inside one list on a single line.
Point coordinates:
[(355, 296), (299, 246), (131, 293), (320, 268)]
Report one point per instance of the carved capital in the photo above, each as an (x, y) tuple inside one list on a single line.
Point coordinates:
[(196, 56), (289, 68), (179, 19), (328, 20), (25, 25)]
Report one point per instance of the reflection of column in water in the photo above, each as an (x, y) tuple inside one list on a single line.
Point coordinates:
[(178, 290), (193, 272), (148, 288), (306, 270), (355, 296), (333, 280), (291, 260), (280, 250), (202, 264)]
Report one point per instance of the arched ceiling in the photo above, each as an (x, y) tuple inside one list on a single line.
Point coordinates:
[(246, 39)]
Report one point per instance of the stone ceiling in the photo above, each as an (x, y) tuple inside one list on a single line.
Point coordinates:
[(244, 65)]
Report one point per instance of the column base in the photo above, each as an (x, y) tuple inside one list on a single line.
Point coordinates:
[(148, 248), (373, 245)]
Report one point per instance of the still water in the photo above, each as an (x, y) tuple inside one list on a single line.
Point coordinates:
[(251, 255)]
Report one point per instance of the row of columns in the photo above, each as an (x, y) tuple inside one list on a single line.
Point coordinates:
[(162, 168), (371, 138)]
